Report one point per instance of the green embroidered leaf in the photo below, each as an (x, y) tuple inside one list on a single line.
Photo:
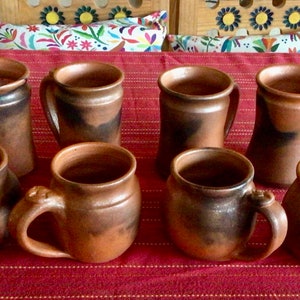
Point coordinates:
[(100, 31), (274, 48), (46, 35), (18, 46), (258, 49), (184, 42), (84, 34), (259, 43)]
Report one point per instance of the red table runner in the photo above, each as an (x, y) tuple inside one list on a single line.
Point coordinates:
[(152, 268)]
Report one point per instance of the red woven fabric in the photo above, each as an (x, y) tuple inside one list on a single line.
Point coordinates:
[(152, 268)]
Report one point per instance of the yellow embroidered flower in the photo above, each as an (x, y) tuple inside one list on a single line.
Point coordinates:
[(119, 13), (51, 16), (86, 15)]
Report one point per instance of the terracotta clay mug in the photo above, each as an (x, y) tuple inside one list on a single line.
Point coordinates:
[(10, 192), (211, 206), (198, 105), (16, 130), (95, 199), (274, 148), (83, 102), (291, 204)]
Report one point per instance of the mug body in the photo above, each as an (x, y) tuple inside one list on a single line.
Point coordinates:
[(207, 213), (85, 103), (16, 129), (102, 200), (274, 148), (194, 104)]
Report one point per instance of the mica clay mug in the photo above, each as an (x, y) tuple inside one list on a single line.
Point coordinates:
[(10, 192), (211, 206), (291, 204), (198, 105), (16, 131), (274, 148), (95, 199), (83, 102)]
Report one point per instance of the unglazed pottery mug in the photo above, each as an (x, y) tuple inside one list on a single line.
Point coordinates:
[(83, 102), (10, 192), (274, 148), (16, 130), (95, 199), (211, 206), (198, 105), (291, 204)]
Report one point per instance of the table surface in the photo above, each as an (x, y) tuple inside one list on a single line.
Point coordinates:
[(152, 268)]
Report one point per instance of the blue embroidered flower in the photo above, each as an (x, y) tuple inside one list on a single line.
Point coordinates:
[(291, 19), (261, 18), (228, 18)]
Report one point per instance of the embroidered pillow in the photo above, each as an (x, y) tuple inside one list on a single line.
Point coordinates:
[(142, 34), (284, 43)]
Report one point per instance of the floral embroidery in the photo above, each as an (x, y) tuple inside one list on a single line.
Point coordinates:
[(71, 45), (85, 45), (265, 44), (126, 34), (8, 35), (291, 19), (51, 16), (33, 28), (261, 18), (86, 15), (284, 43), (228, 18)]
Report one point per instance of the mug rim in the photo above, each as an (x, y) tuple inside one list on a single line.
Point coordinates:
[(211, 96), (82, 65), (176, 173), (21, 73), (270, 69), (56, 172)]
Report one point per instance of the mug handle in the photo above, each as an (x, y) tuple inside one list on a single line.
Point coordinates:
[(38, 200), (264, 202), (232, 109), (48, 103)]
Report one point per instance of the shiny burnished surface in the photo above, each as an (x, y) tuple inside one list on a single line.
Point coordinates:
[(10, 192), (198, 105), (211, 206), (83, 102), (274, 148), (95, 199), (15, 116)]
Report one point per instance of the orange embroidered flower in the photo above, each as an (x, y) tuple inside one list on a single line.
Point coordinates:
[(268, 42), (8, 36), (293, 50)]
